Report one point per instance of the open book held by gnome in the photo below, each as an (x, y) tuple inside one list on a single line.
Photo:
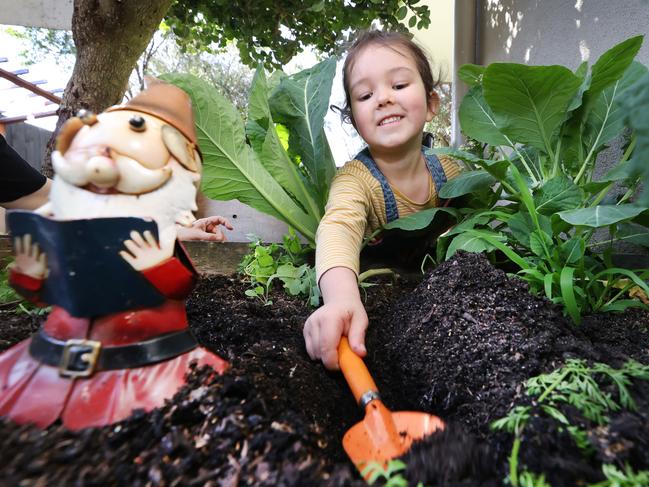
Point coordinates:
[(104, 253)]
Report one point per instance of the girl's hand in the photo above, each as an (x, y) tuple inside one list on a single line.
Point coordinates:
[(323, 329), (145, 252), (29, 259), (206, 229)]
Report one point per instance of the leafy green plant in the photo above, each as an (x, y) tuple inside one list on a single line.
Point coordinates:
[(391, 474), (249, 162), (285, 262), (623, 478), (11, 300), (535, 201), (7, 293), (577, 385), (634, 105), (530, 479)]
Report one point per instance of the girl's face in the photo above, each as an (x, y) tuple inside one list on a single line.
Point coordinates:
[(388, 99)]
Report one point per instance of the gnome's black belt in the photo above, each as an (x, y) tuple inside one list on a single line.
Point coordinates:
[(82, 358)]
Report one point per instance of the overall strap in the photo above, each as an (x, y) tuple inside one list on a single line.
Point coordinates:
[(435, 168), (391, 212)]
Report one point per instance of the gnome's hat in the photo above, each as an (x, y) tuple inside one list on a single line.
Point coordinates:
[(167, 102)]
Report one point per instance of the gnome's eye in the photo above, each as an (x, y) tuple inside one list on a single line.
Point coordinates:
[(87, 117), (137, 123)]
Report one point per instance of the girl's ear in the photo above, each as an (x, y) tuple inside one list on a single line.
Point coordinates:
[(433, 105)]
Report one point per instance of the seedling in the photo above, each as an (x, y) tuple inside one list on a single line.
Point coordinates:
[(391, 474), (578, 385), (285, 262)]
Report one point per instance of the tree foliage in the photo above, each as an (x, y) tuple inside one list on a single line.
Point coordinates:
[(45, 43), (272, 32)]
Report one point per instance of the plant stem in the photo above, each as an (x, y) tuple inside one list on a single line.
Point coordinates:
[(513, 462), (555, 167), (553, 386), (371, 237), (627, 195), (601, 194), (363, 276), (523, 161)]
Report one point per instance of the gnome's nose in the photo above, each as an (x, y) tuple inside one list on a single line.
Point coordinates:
[(102, 171)]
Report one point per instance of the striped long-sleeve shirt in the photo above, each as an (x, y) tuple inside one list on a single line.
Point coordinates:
[(356, 208)]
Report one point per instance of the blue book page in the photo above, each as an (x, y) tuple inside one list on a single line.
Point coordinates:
[(87, 276)]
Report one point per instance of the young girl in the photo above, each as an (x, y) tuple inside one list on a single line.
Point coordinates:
[(390, 96)]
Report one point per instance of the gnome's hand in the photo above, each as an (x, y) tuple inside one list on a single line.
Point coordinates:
[(29, 260), (144, 251)]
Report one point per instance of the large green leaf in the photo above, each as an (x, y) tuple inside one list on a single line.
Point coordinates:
[(529, 102), (472, 242), (497, 168), (301, 102), (635, 104), (264, 139), (418, 220), (626, 171), (611, 65), (467, 182), (540, 243), (471, 74), (231, 169), (558, 194), (572, 250), (477, 120), (635, 234), (521, 225), (581, 72), (601, 216), (602, 125), (606, 118), (472, 222)]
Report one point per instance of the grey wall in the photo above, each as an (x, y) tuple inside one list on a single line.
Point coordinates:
[(557, 31)]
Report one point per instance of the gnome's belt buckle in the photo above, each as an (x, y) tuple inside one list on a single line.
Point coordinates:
[(79, 358)]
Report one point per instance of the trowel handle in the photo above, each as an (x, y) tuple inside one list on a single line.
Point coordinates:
[(353, 368)]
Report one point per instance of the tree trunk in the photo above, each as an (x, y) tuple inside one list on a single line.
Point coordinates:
[(110, 36)]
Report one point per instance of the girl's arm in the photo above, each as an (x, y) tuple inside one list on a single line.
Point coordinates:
[(339, 239)]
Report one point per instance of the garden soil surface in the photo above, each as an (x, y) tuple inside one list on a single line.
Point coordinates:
[(459, 344)]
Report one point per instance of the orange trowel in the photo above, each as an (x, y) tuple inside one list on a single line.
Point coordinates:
[(382, 435)]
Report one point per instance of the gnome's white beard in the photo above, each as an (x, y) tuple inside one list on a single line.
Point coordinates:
[(172, 203)]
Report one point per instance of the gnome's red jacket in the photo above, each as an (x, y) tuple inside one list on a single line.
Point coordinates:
[(32, 392)]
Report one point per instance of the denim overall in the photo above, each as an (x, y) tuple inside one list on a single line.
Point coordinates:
[(402, 247)]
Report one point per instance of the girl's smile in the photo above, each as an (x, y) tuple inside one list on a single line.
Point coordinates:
[(390, 120)]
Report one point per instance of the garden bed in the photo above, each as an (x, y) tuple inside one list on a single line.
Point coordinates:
[(460, 344)]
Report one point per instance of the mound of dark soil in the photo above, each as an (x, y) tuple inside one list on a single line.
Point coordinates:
[(459, 344), (466, 339)]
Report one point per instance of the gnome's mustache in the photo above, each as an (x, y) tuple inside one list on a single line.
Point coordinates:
[(106, 169)]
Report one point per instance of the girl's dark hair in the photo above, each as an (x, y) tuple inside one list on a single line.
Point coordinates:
[(388, 39)]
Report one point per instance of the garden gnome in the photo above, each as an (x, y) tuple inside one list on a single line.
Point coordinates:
[(105, 255)]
